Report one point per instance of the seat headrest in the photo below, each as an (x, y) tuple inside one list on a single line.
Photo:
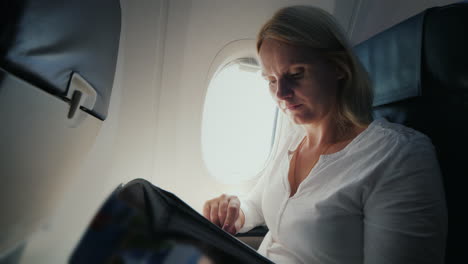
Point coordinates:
[(44, 42), (445, 53), (393, 60), (419, 55)]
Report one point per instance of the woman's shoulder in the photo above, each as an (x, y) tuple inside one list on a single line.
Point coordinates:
[(394, 132), (399, 139), (398, 151)]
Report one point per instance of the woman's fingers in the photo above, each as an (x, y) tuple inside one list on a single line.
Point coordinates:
[(214, 214), (232, 214), (207, 210), (223, 212), (237, 225), (210, 211)]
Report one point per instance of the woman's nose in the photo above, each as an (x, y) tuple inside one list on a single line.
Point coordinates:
[(284, 89)]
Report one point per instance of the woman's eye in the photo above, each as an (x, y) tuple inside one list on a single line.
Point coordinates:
[(296, 76)]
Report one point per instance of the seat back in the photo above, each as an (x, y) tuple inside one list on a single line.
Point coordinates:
[(57, 66), (419, 69)]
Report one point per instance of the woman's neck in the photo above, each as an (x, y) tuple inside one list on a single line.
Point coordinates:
[(329, 132)]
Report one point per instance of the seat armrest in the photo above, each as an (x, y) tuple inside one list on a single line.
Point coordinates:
[(259, 231), (254, 237)]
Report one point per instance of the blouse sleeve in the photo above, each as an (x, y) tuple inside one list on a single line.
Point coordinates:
[(405, 217), (251, 205)]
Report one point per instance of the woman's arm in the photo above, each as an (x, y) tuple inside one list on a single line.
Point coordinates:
[(251, 206), (235, 215), (405, 217)]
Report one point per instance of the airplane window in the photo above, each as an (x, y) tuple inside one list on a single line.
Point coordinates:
[(239, 121)]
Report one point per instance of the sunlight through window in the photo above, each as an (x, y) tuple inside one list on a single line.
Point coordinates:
[(238, 122)]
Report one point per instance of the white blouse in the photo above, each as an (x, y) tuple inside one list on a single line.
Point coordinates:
[(378, 200)]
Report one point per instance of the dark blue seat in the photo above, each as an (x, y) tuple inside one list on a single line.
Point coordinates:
[(419, 69)]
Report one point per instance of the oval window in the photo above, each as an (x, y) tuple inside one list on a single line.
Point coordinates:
[(239, 120)]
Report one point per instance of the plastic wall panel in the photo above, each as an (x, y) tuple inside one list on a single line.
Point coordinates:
[(39, 153)]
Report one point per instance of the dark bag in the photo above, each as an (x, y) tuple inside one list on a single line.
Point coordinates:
[(141, 222)]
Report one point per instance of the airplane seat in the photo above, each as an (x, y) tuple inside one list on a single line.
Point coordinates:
[(57, 65), (419, 70)]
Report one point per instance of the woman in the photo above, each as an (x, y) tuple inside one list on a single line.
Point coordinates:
[(345, 188)]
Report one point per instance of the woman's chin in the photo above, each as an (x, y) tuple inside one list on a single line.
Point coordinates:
[(300, 119)]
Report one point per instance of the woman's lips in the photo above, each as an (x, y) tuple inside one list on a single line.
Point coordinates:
[(293, 106)]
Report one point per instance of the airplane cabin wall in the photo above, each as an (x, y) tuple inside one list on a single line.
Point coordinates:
[(124, 148), (153, 129)]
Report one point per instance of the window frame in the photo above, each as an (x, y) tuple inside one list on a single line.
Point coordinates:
[(231, 52)]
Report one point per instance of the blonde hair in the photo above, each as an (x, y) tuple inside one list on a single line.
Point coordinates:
[(316, 29)]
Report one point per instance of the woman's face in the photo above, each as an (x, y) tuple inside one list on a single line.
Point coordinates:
[(303, 84)]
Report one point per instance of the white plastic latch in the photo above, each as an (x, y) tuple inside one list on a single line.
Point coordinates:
[(81, 95)]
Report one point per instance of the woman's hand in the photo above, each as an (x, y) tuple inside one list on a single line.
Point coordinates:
[(224, 211)]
